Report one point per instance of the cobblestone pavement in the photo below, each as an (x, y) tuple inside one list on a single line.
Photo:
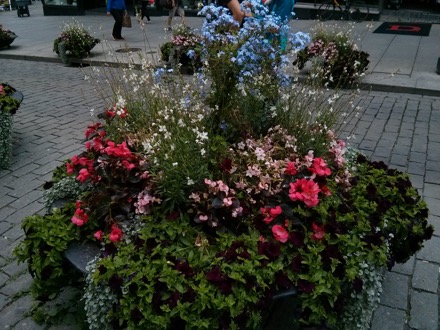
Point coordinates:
[(400, 129)]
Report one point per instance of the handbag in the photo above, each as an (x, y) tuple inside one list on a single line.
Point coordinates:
[(126, 21)]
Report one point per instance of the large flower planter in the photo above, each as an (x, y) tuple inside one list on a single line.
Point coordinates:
[(6, 133)]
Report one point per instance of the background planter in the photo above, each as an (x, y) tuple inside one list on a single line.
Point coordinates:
[(6, 133), (7, 42)]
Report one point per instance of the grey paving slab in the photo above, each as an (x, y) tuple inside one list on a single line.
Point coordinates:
[(386, 318), (395, 291), (426, 276), (430, 251), (424, 311)]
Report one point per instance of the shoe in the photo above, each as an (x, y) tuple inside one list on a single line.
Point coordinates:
[(168, 28), (149, 21), (118, 38)]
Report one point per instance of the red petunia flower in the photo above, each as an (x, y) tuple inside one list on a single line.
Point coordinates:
[(306, 191), (116, 234), (319, 167), (290, 169)]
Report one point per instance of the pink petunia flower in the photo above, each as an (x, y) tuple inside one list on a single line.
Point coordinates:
[(280, 233)]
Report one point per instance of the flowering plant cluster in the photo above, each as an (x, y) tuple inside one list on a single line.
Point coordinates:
[(9, 104), (74, 41), (6, 36), (207, 207), (184, 48), (335, 58)]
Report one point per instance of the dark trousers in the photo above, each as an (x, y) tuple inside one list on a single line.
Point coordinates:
[(118, 15), (144, 10)]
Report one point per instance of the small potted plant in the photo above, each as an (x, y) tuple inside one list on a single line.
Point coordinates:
[(10, 100), (184, 48), (75, 41), (6, 37), (333, 57)]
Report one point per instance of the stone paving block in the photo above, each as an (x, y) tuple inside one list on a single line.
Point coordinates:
[(18, 216), (431, 190), (56, 155), (4, 227), (417, 157), (417, 182), (47, 168), (399, 160), (425, 276), (28, 324), (13, 234), (368, 144), (430, 250), (433, 205), (7, 200), (6, 211), (21, 284), (386, 318), (3, 278), (395, 290), (416, 168), (424, 311), (382, 152), (14, 268), (407, 268), (432, 176), (21, 181), (15, 312), (401, 149), (435, 221), (4, 300), (27, 199)]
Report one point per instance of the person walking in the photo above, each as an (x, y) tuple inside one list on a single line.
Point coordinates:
[(144, 11), (178, 8), (116, 8), (282, 8)]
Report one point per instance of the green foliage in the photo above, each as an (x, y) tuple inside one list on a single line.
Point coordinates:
[(8, 103), (47, 238), (161, 278), (5, 139)]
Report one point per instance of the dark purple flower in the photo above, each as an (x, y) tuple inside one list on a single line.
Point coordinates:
[(226, 165), (305, 286), (115, 282), (358, 285), (296, 264), (215, 275), (282, 280), (297, 238), (270, 250), (184, 268)]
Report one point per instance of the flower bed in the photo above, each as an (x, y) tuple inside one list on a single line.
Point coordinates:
[(210, 202)]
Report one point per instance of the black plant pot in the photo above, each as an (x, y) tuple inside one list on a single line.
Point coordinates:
[(7, 42)]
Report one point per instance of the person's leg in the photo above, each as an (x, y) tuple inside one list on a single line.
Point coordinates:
[(118, 15), (144, 10), (171, 14), (181, 13)]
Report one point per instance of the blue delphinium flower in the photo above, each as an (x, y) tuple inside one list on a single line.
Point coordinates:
[(191, 54)]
